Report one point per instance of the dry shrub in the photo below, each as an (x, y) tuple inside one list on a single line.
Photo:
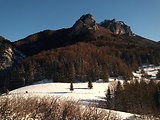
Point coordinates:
[(92, 113), (144, 117), (71, 110), (49, 108)]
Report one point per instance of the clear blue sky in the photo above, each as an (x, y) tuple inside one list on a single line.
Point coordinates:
[(20, 18)]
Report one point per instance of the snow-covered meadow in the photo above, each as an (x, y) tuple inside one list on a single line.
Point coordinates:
[(80, 93)]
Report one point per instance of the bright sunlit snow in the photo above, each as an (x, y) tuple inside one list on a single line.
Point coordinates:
[(81, 91)]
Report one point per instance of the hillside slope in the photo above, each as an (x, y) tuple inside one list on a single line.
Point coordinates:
[(85, 51)]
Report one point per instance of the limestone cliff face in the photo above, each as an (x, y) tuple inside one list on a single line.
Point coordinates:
[(87, 22), (9, 55), (84, 24), (117, 27)]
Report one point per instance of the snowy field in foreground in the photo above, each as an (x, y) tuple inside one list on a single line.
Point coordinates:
[(81, 92)]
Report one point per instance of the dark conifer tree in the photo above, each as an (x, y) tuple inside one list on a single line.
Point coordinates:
[(119, 86), (90, 85), (71, 87), (157, 99), (158, 74), (105, 74), (108, 94), (118, 96), (109, 101)]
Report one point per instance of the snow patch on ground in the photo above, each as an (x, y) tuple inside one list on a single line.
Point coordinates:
[(81, 91), (150, 70)]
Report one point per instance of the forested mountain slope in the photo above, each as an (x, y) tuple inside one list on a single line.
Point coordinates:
[(87, 50)]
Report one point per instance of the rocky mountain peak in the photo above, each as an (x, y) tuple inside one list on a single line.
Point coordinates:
[(117, 27), (84, 24)]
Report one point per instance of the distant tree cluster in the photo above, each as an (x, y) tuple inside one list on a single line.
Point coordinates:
[(136, 97)]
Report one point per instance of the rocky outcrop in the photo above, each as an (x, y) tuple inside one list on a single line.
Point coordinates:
[(117, 27), (84, 24), (87, 23), (9, 55)]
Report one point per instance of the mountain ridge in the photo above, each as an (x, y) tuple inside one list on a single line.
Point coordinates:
[(84, 29)]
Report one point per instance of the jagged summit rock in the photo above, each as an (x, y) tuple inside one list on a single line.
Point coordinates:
[(117, 27), (84, 24)]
